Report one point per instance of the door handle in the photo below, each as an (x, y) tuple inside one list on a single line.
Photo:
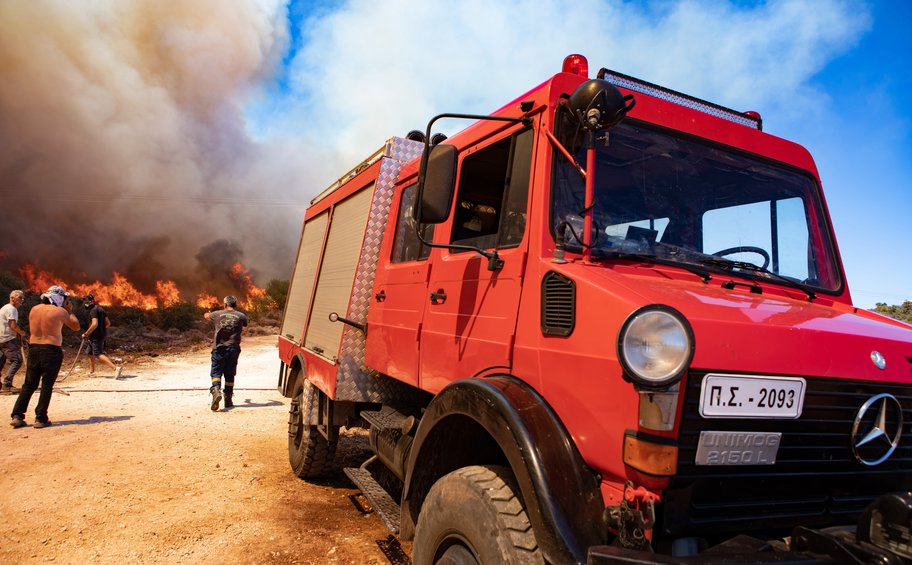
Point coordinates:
[(438, 297), (380, 296)]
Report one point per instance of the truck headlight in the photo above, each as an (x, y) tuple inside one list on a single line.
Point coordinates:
[(655, 346)]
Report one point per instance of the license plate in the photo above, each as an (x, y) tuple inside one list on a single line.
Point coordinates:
[(728, 396)]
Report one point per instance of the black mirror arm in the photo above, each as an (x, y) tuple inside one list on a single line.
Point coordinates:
[(495, 263), (525, 120)]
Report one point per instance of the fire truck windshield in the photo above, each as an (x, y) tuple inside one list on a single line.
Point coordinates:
[(678, 200)]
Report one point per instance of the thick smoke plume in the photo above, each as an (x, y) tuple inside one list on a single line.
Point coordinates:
[(123, 145)]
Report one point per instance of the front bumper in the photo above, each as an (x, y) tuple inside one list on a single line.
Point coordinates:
[(883, 536)]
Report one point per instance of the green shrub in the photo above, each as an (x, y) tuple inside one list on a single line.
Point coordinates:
[(259, 306), (181, 316), (126, 316), (278, 290), (902, 312)]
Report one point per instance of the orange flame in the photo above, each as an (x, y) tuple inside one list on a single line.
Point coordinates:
[(242, 277), (168, 295), (121, 292), (206, 300), (36, 279)]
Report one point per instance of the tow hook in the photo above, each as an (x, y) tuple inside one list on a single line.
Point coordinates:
[(633, 517)]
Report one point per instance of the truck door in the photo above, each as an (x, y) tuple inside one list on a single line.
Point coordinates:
[(400, 291), (470, 314)]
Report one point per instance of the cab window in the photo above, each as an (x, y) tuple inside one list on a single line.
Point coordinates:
[(407, 246), (493, 194)]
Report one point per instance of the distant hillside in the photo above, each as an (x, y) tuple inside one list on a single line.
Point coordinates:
[(902, 312)]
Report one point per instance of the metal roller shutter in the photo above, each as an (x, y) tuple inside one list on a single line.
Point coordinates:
[(302, 282), (337, 273)]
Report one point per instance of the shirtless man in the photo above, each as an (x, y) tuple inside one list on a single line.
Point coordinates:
[(45, 355)]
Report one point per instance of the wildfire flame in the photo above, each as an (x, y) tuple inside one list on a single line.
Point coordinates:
[(167, 293), (241, 276), (206, 300), (121, 292)]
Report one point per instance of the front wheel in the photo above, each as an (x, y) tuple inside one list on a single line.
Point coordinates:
[(311, 455), (474, 516)]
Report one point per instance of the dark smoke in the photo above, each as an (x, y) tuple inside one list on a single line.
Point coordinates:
[(123, 145), (214, 264)]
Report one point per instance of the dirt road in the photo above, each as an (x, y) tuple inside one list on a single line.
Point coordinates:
[(156, 477)]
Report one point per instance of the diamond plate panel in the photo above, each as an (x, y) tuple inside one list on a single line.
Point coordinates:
[(354, 381)]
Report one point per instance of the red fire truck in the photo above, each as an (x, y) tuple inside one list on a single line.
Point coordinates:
[(607, 322)]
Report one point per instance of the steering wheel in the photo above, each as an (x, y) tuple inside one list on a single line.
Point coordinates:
[(746, 249)]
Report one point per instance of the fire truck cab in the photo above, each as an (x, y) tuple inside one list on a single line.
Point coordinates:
[(607, 322)]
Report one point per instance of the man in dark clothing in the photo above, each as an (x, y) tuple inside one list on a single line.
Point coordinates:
[(96, 334), (226, 348)]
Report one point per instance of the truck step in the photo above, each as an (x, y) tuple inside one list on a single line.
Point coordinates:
[(385, 506), (386, 418)]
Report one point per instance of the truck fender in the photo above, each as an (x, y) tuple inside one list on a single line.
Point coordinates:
[(500, 417), (293, 371)]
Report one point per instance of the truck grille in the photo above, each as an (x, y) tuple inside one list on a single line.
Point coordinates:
[(815, 482)]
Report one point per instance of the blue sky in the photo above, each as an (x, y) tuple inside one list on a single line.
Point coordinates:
[(863, 148), (833, 76)]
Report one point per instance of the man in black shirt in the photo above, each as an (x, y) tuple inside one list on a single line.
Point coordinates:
[(226, 348), (96, 334)]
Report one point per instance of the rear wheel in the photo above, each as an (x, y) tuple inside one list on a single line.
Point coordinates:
[(474, 516), (311, 455)]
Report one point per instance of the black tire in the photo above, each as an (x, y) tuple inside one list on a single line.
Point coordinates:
[(473, 516), (311, 455)]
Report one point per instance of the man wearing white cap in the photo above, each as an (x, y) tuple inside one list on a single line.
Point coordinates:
[(45, 355)]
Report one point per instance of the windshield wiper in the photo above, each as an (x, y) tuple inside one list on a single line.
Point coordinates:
[(702, 273), (730, 265)]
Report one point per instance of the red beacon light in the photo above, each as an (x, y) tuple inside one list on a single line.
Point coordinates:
[(755, 116), (576, 64)]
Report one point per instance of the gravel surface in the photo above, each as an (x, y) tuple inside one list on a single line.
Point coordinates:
[(125, 476)]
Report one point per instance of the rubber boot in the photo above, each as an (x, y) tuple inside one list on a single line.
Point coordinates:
[(228, 399)]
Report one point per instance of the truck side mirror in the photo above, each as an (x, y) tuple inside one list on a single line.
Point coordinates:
[(437, 184)]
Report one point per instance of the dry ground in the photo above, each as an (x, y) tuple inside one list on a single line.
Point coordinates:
[(156, 477)]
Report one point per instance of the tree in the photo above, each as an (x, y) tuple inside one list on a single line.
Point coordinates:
[(278, 291), (902, 312)]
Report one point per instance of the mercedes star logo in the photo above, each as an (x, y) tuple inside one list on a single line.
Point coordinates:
[(878, 359), (877, 429)]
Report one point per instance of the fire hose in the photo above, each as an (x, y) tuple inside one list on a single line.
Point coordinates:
[(78, 351), (24, 350)]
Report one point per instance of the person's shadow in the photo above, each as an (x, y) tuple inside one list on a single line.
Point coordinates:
[(250, 404), (125, 377), (92, 420)]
